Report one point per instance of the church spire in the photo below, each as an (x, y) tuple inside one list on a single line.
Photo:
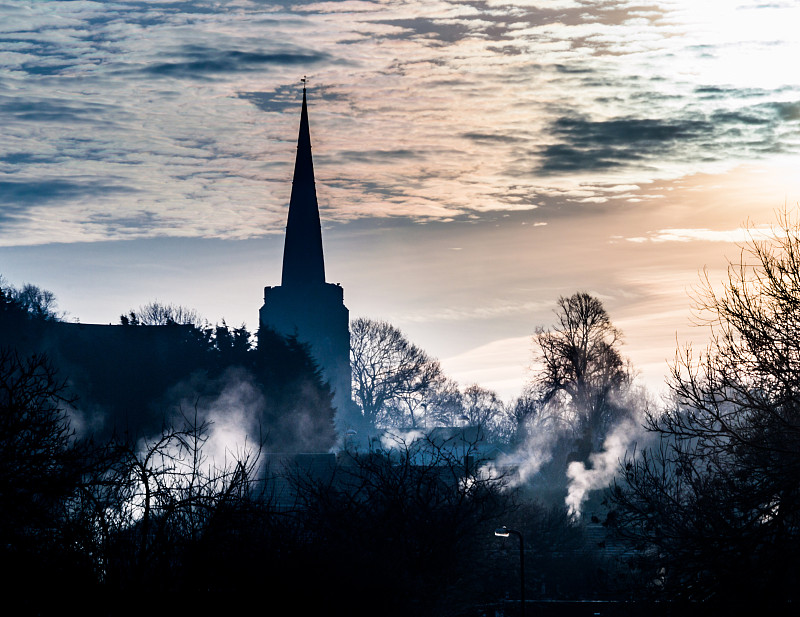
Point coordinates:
[(304, 305), (303, 261)]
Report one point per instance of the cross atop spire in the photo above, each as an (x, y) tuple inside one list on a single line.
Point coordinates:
[(303, 261)]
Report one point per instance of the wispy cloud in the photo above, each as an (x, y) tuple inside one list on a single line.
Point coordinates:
[(740, 235), (426, 110)]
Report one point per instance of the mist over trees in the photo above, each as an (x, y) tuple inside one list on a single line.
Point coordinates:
[(397, 385), (136, 377), (581, 394), (581, 372), (198, 533), (408, 527), (578, 412), (705, 508)]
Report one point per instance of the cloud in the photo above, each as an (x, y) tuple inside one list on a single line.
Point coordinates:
[(602, 144), (199, 61), (789, 112), (378, 156), (425, 27), (422, 110), (52, 110), (625, 131), (284, 97), (493, 137), (23, 194), (597, 145), (740, 235)]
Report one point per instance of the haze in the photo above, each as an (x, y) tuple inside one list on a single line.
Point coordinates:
[(474, 160)]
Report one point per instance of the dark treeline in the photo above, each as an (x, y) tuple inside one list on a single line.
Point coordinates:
[(405, 530), (122, 510), (688, 506), (132, 379)]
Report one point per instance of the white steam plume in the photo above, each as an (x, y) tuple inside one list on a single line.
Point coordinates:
[(391, 440), (233, 416), (233, 431), (525, 462), (604, 464)]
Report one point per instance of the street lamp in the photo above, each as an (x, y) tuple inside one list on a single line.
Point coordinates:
[(504, 532)]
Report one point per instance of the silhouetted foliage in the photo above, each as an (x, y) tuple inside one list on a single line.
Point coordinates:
[(42, 467), (403, 526), (714, 505), (130, 380), (36, 447), (404, 530), (232, 344), (482, 407), (530, 416), (408, 527), (29, 300), (396, 384), (444, 405), (299, 402), (392, 378)]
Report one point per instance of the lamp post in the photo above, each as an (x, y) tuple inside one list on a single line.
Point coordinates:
[(504, 532)]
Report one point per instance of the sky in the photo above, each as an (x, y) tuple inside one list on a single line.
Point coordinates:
[(474, 160)]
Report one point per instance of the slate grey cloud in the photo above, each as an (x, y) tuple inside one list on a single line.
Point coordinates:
[(198, 61), (283, 98), (51, 110), (377, 156), (595, 145), (134, 225), (493, 137), (586, 144), (436, 29), (18, 196)]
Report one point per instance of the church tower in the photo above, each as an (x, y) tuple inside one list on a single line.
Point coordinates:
[(303, 304)]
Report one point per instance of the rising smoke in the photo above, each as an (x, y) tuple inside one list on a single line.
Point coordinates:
[(519, 467), (603, 465), (542, 461)]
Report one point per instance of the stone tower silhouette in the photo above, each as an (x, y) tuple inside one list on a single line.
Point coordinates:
[(304, 305)]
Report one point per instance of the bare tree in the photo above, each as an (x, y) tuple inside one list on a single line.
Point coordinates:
[(445, 405), (32, 300), (482, 407), (157, 313), (715, 505), (42, 467), (529, 415), (391, 376), (156, 500), (581, 368), (36, 444)]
